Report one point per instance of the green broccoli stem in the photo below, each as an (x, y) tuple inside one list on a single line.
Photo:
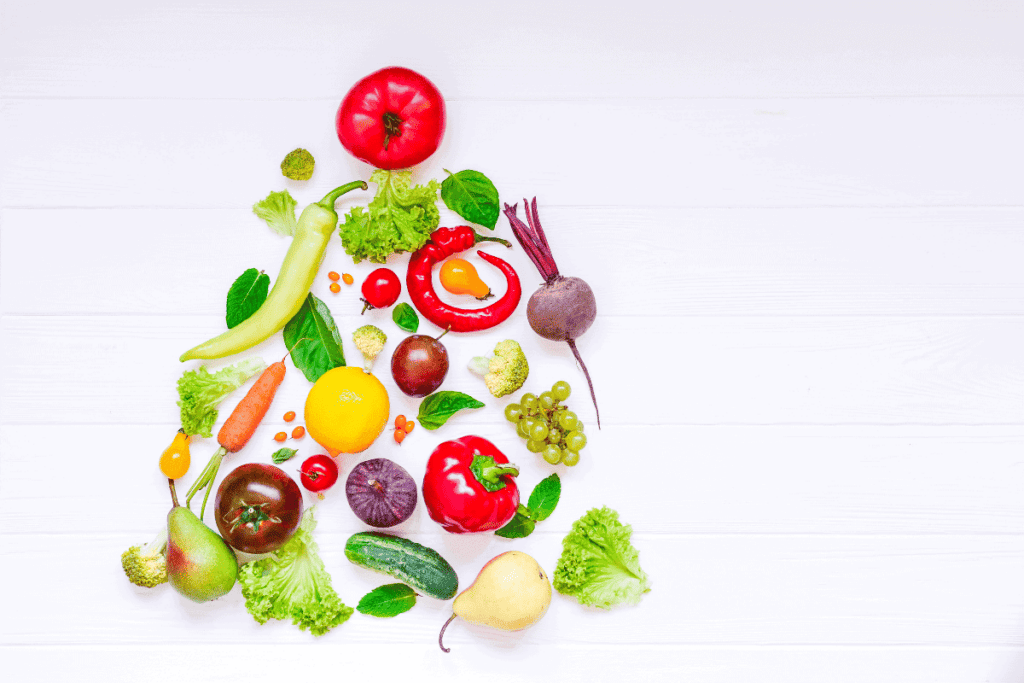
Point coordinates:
[(205, 479)]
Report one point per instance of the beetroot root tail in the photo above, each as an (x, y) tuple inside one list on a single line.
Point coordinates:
[(593, 396)]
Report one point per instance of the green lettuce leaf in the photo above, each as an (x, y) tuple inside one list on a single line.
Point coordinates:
[(278, 210), (399, 218), (599, 566), (294, 584), (200, 392)]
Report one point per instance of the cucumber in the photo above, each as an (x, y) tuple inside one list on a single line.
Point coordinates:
[(420, 567)]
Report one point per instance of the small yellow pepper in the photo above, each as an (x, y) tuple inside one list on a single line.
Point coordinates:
[(175, 461), (458, 276)]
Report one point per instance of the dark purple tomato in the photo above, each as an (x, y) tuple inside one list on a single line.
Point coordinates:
[(259, 507), (381, 492), (419, 365)]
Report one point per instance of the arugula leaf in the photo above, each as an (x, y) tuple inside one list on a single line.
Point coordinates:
[(283, 455), (278, 210), (400, 217), (545, 497), (321, 349), (387, 601), (246, 295), (540, 506), (405, 317), (441, 405), (473, 196)]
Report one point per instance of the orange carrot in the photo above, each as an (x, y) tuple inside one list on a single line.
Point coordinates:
[(239, 427), (249, 412)]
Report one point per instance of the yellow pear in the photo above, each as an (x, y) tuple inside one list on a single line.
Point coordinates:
[(510, 593)]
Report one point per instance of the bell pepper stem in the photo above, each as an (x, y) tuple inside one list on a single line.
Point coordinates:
[(328, 201), (489, 473)]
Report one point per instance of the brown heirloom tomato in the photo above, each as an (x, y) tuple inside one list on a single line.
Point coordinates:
[(259, 507)]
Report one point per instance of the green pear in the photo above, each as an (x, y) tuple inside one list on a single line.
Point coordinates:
[(510, 593), (200, 565)]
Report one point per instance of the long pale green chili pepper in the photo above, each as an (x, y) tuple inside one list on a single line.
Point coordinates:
[(315, 226)]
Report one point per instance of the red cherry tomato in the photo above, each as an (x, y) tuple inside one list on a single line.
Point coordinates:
[(381, 289), (393, 118), (319, 473)]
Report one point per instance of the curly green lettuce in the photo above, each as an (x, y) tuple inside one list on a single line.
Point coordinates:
[(278, 210), (399, 218), (599, 566), (294, 584), (200, 392)]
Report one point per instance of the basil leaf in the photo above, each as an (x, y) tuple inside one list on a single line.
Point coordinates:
[(320, 349), (246, 295), (544, 498), (405, 317), (472, 195), (520, 526), (283, 454), (439, 406), (387, 601)]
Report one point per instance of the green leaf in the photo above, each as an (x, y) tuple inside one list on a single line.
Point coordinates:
[(278, 210), (320, 349), (282, 455), (405, 317), (544, 498), (387, 601), (473, 196), (439, 406), (520, 526), (246, 295)]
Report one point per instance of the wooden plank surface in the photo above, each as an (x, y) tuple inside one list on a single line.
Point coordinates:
[(804, 228)]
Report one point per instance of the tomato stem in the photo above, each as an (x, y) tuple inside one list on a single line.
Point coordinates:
[(392, 126)]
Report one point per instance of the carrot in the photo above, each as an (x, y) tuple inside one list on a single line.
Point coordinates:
[(249, 412), (239, 427)]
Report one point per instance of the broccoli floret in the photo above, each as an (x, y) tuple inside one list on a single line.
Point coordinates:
[(505, 371), (146, 565), (298, 165), (370, 341)]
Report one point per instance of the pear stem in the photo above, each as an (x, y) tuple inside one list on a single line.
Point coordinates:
[(441, 634), (174, 494)]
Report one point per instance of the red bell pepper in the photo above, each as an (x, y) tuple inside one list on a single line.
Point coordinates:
[(469, 486)]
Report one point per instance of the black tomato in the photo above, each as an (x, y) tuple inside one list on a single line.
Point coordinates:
[(259, 507)]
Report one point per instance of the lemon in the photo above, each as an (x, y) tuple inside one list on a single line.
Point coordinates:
[(346, 410)]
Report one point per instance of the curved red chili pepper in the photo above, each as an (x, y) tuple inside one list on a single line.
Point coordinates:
[(443, 243)]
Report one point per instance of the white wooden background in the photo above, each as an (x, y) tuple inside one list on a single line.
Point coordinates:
[(805, 230)]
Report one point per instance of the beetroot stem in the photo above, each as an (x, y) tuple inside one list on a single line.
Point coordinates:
[(550, 269), (579, 359), (525, 239), (531, 211)]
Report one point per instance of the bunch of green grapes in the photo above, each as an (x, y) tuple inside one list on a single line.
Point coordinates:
[(549, 427)]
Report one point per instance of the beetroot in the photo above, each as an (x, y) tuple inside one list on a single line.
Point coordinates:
[(381, 492), (564, 307)]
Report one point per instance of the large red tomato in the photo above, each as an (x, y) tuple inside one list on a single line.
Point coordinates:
[(393, 118)]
